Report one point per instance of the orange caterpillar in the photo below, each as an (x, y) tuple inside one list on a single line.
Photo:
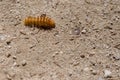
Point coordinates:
[(43, 22)]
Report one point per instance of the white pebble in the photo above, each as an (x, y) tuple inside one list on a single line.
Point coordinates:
[(107, 73), (83, 31), (94, 72), (100, 78), (3, 37), (24, 62), (87, 69)]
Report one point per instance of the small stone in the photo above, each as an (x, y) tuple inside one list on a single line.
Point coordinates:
[(91, 55), (24, 63), (116, 58), (76, 63), (57, 42), (8, 55), (23, 32), (117, 46), (3, 37), (71, 39), (83, 31), (17, 1), (56, 53), (87, 69), (14, 57), (18, 51), (61, 52), (9, 47), (94, 72), (56, 34), (82, 56), (10, 75), (15, 64), (113, 33), (8, 42), (32, 46), (108, 27), (107, 73), (100, 78), (2, 59), (76, 31)]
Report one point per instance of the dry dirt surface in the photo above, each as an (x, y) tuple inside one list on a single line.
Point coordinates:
[(84, 45)]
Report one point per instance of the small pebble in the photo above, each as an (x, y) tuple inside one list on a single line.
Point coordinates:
[(32, 46), (76, 31), (8, 55), (116, 56), (108, 27), (2, 59), (83, 31), (76, 63), (23, 32), (91, 55), (14, 57), (87, 69), (17, 1), (18, 51), (117, 46), (15, 64), (24, 63), (82, 56), (3, 37), (94, 72), (113, 33), (100, 78), (10, 75), (57, 53), (71, 39), (107, 73), (61, 52), (56, 34)]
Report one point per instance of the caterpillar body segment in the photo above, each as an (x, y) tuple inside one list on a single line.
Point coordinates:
[(41, 21)]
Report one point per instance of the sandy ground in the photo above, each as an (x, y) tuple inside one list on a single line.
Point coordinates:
[(84, 45)]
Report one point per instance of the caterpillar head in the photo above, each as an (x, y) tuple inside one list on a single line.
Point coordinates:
[(52, 23)]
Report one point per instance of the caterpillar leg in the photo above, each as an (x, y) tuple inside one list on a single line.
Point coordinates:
[(43, 15)]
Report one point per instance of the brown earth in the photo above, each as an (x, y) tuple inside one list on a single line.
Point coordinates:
[(84, 45)]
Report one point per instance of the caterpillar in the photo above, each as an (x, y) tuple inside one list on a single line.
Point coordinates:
[(41, 22)]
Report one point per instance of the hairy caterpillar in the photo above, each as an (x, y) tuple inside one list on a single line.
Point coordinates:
[(42, 21)]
